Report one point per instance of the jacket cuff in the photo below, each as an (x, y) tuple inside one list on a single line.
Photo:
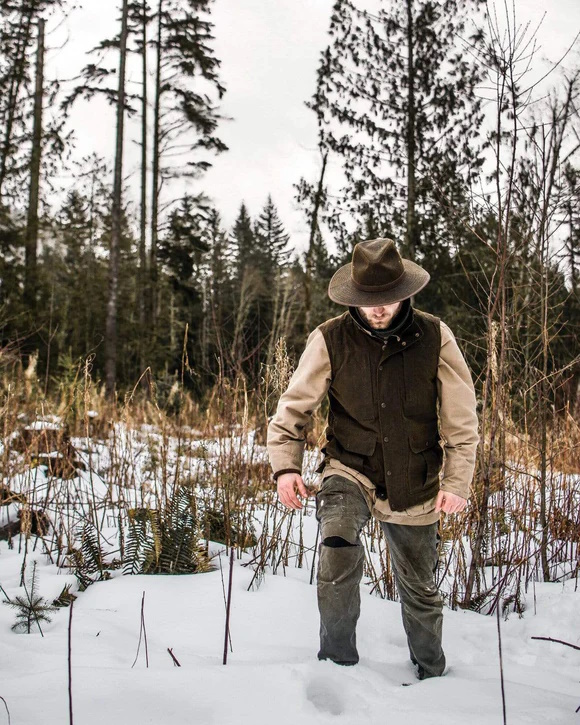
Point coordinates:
[(286, 470), (459, 489)]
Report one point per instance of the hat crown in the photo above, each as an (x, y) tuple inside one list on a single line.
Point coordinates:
[(377, 275), (376, 265)]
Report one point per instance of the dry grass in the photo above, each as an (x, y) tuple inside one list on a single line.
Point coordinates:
[(98, 463)]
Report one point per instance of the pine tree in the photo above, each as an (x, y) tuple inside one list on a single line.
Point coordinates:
[(218, 297), (181, 254), (243, 241), (31, 146), (78, 276), (32, 609), (247, 288), (272, 240), (185, 117), (397, 101)]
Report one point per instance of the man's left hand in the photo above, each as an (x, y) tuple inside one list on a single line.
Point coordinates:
[(449, 503)]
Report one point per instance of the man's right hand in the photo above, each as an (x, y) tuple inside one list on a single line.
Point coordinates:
[(289, 486)]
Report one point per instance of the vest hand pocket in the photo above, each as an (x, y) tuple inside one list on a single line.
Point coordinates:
[(425, 457)]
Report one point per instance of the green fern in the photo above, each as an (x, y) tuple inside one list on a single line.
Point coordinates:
[(89, 560), (179, 540), (143, 545), (165, 541)]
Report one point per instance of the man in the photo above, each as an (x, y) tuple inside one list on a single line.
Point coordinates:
[(397, 383)]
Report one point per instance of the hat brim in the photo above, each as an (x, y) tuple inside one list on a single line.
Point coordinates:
[(343, 291)]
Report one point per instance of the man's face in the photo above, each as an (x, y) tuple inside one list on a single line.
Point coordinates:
[(381, 316)]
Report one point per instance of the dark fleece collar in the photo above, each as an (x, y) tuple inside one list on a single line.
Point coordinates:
[(402, 320)]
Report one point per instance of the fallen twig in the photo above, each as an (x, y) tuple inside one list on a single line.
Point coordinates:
[(559, 641), (7, 710)]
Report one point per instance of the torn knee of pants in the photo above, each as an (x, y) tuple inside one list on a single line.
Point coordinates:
[(336, 542)]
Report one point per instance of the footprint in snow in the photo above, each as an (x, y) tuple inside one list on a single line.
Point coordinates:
[(325, 696)]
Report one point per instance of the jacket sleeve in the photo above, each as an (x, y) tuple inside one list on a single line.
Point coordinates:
[(306, 390), (458, 416)]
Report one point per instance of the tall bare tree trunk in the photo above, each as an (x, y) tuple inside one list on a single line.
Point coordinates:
[(116, 220), (411, 230), (156, 181), (31, 242), (143, 230)]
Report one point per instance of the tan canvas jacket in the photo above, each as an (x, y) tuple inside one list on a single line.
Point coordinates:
[(457, 424)]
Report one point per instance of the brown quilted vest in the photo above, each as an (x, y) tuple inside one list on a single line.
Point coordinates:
[(383, 406)]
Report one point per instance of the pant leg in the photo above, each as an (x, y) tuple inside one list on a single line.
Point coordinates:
[(414, 554), (342, 512)]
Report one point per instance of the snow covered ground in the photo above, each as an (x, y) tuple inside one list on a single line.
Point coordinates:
[(272, 675)]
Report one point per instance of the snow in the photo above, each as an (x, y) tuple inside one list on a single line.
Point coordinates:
[(49, 423), (272, 674)]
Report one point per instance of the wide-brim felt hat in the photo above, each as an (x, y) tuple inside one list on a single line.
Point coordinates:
[(377, 275)]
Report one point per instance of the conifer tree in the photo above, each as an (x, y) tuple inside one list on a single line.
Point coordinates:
[(278, 289), (31, 609), (77, 275), (243, 241), (185, 117), (271, 238), (397, 101), (247, 287), (218, 280), (181, 257)]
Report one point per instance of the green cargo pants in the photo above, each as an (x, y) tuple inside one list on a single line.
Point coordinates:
[(342, 512)]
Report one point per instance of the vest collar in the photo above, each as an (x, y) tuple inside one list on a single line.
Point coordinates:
[(401, 323)]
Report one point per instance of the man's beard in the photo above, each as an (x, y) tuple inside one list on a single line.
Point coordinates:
[(382, 322)]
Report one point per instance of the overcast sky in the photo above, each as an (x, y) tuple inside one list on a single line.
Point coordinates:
[(269, 51)]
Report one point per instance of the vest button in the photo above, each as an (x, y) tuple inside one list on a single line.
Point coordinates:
[(388, 473), (380, 367), (416, 334), (403, 344), (386, 439), (383, 405)]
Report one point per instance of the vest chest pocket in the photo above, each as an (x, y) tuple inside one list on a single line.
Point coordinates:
[(420, 382), (352, 386)]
